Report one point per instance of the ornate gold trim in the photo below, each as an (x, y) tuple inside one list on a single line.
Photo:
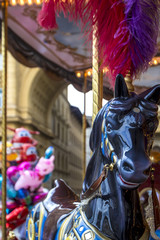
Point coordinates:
[(31, 225), (146, 234), (86, 232), (76, 234), (61, 235), (93, 228), (40, 220)]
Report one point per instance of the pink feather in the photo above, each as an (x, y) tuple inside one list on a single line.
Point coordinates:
[(127, 30), (46, 16)]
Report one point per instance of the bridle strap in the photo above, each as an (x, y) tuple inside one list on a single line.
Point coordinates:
[(104, 142), (96, 184)]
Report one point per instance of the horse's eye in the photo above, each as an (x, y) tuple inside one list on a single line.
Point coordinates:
[(109, 128)]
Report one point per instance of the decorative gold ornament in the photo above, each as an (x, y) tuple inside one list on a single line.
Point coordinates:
[(149, 216)]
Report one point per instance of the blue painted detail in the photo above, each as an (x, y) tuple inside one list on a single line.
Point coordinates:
[(112, 154), (103, 144), (81, 227), (104, 135), (38, 215), (77, 216), (103, 140), (36, 231)]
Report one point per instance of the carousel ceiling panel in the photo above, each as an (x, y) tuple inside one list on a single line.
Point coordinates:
[(63, 46)]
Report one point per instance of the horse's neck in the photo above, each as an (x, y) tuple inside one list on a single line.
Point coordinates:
[(117, 212)]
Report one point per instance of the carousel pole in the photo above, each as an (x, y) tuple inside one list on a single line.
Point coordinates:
[(4, 113), (97, 77), (129, 83), (84, 125)]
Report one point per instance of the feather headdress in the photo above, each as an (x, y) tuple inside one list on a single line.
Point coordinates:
[(127, 30)]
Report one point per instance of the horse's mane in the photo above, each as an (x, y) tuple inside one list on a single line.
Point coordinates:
[(95, 137), (149, 109), (95, 143)]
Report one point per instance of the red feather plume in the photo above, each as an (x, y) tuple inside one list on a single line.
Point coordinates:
[(126, 30)]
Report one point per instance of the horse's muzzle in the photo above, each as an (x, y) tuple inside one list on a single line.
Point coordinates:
[(132, 173)]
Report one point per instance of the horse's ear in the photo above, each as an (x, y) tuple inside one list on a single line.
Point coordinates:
[(152, 94), (121, 89)]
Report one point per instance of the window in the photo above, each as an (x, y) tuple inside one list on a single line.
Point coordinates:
[(66, 137), (58, 160), (53, 124), (63, 110), (58, 128), (63, 134)]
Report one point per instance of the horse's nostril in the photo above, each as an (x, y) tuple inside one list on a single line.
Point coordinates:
[(146, 172), (127, 167)]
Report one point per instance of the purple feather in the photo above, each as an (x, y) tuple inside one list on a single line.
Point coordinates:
[(143, 24)]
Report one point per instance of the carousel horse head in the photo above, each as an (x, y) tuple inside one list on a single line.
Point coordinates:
[(123, 133)]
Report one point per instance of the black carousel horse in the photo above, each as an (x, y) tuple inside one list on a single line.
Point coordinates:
[(109, 208)]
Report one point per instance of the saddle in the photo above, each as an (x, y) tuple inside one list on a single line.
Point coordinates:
[(61, 200)]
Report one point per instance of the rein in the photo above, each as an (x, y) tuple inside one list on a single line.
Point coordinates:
[(106, 146), (98, 182)]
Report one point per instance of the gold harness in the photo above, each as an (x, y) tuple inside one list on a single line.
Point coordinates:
[(82, 233)]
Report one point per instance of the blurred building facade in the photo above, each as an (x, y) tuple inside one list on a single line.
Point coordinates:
[(88, 132), (36, 102)]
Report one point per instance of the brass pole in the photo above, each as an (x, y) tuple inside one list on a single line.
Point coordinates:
[(129, 82), (100, 89), (97, 78), (84, 126), (4, 113)]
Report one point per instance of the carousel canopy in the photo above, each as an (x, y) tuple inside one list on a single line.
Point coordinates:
[(62, 50)]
